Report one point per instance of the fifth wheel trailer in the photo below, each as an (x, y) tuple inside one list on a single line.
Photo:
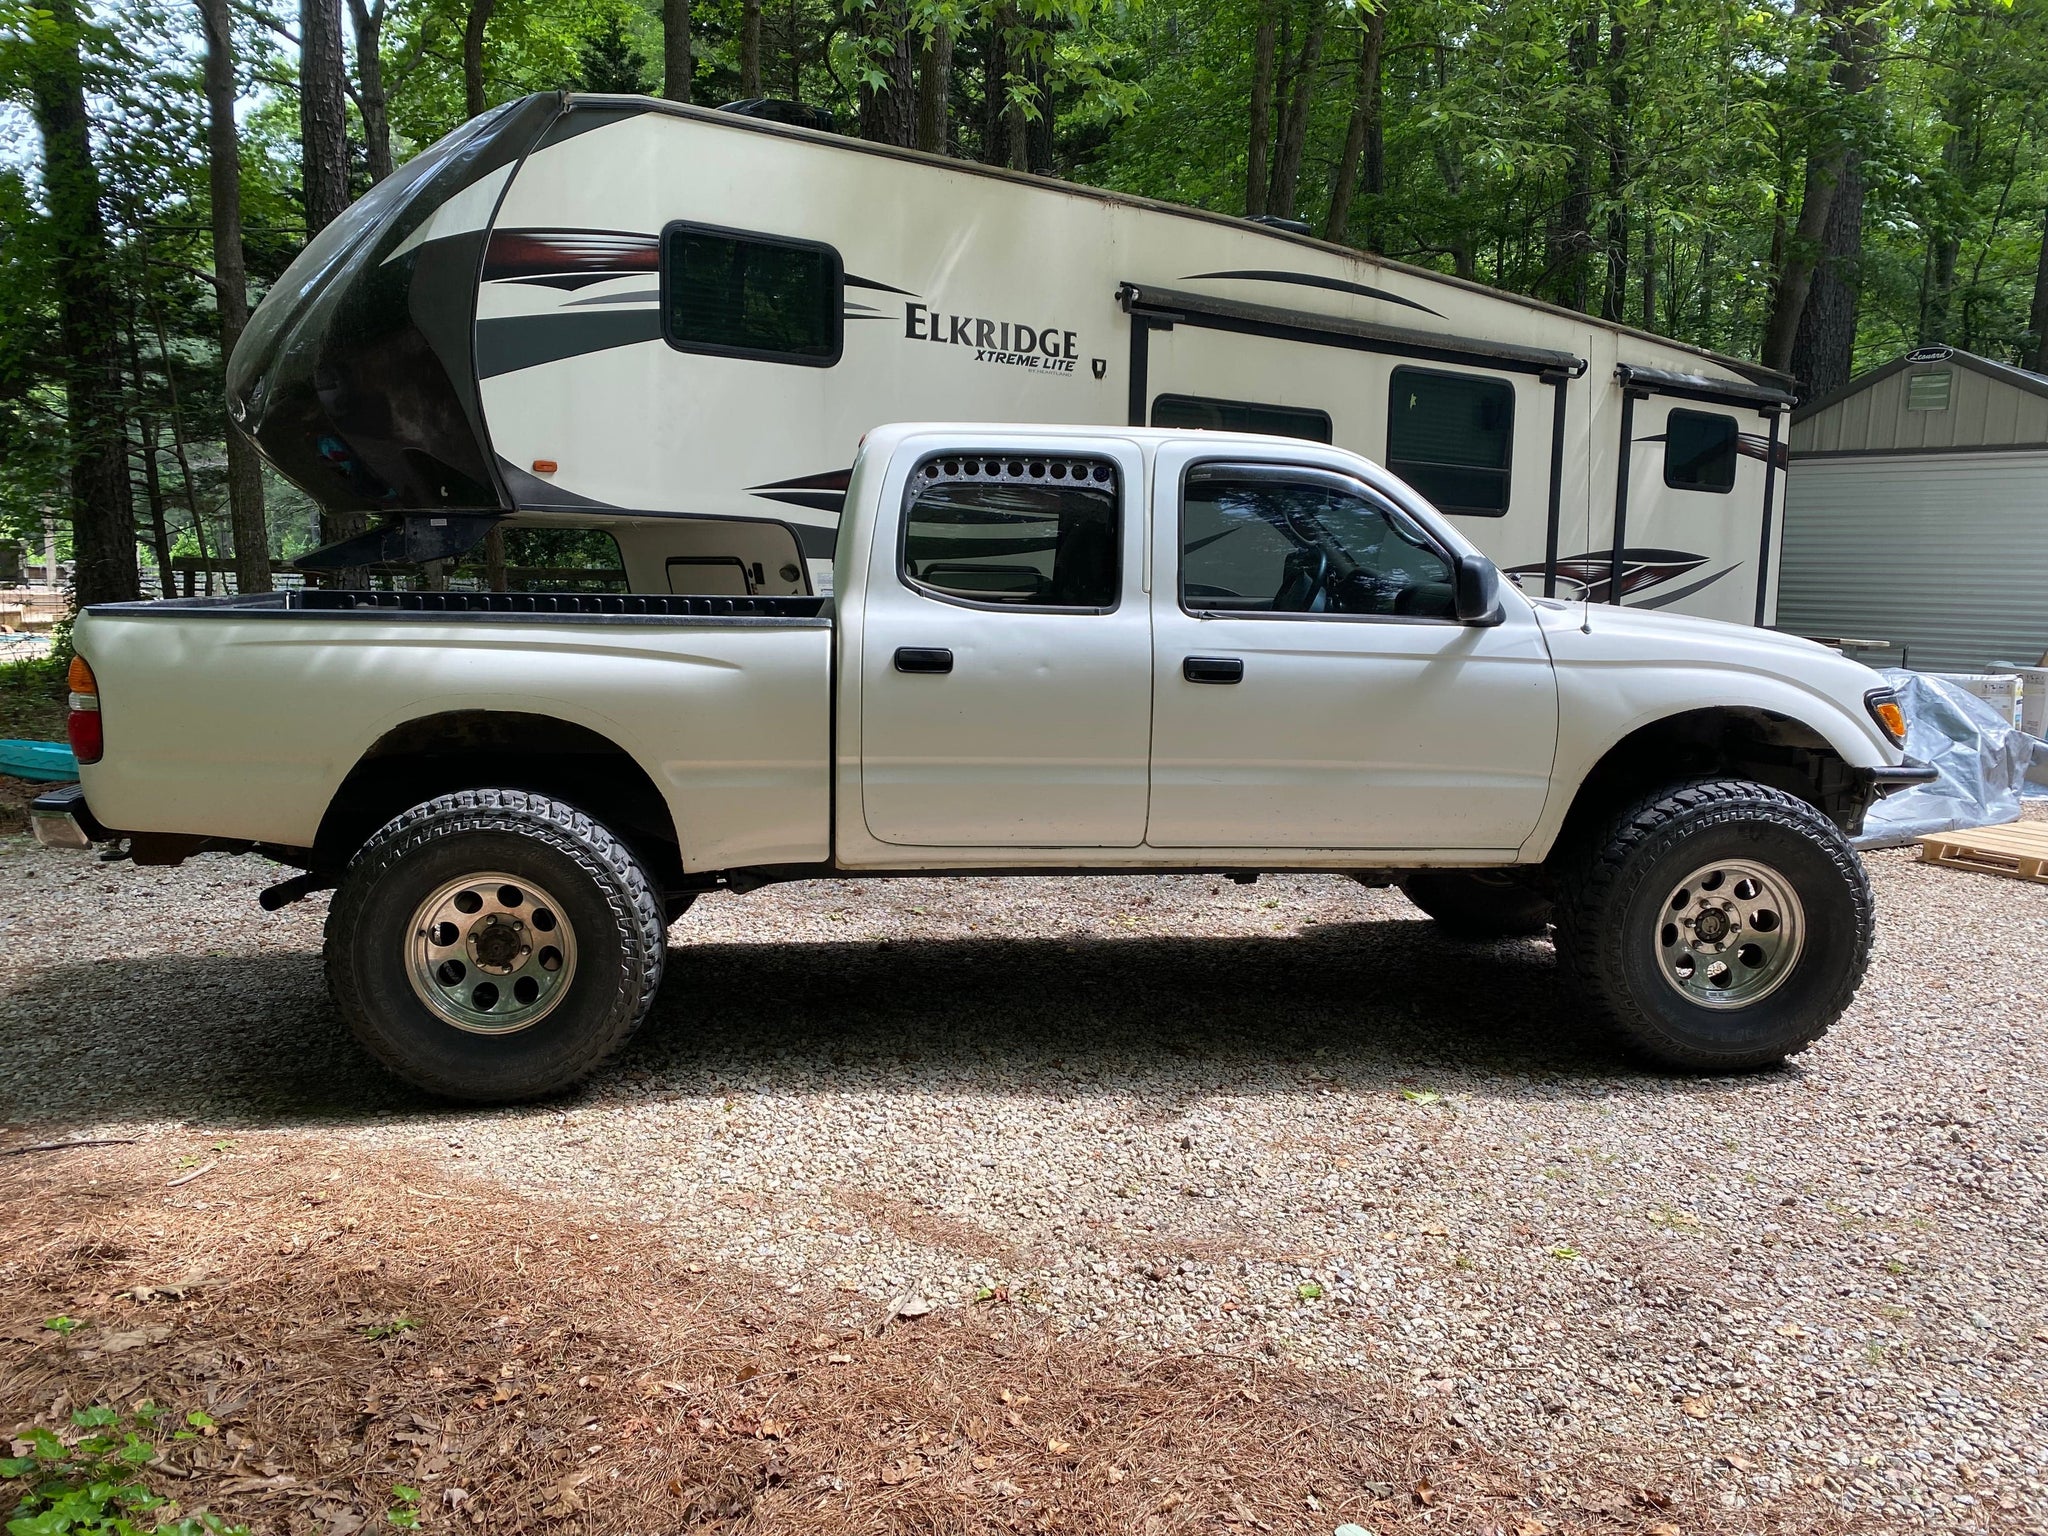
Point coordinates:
[(614, 310)]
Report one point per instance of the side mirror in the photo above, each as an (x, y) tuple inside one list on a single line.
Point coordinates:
[(1478, 590)]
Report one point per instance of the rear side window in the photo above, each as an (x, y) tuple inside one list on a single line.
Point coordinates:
[(758, 296), (1699, 451), (1240, 416), (1450, 435), (1014, 532)]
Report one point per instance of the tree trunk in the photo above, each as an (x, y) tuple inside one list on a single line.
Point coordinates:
[(231, 283), (153, 492), (1364, 139), (1824, 346), (495, 575), (750, 49), (1294, 116), (888, 112), (1571, 238), (2036, 355), (1614, 298), (323, 114), (934, 90), (473, 99), (1831, 167), (371, 101), (102, 498), (1801, 252), (1258, 153), (1649, 316), (676, 67)]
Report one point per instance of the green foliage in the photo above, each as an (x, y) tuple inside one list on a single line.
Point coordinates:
[(91, 1483), (404, 1513)]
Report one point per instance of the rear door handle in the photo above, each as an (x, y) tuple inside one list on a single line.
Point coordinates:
[(1213, 669), (923, 658)]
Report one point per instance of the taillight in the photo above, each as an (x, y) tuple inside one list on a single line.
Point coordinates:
[(88, 738)]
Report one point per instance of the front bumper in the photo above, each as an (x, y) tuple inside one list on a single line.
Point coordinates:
[(60, 818), (1883, 781)]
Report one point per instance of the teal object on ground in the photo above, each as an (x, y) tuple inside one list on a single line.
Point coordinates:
[(46, 762)]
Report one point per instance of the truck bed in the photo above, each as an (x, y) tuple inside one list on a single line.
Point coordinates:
[(241, 717)]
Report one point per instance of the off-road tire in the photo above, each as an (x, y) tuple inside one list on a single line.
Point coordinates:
[(604, 894), (1612, 890), (1479, 904)]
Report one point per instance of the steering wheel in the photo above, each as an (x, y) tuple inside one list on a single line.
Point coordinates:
[(1303, 582)]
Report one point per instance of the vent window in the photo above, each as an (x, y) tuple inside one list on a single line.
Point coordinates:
[(756, 296), (1929, 391), (1450, 435)]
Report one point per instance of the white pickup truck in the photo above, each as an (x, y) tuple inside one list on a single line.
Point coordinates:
[(1048, 651)]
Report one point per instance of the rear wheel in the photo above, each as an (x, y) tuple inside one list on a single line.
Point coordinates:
[(1720, 926), (494, 945), (1479, 903)]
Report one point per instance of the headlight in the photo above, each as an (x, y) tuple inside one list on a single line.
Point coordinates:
[(1883, 705)]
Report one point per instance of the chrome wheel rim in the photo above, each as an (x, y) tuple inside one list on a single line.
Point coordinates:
[(1729, 934), (490, 953)]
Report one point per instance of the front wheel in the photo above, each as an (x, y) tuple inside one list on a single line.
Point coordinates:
[(494, 945), (1720, 926)]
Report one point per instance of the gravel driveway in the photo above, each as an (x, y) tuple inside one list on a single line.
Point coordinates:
[(1285, 1117)]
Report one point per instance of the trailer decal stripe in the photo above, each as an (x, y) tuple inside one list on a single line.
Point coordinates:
[(1310, 280), (508, 344)]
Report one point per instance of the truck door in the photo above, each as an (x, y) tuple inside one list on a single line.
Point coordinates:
[(1311, 688), (1005, 655)]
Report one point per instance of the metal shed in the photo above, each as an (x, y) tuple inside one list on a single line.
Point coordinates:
[(1916, 515)]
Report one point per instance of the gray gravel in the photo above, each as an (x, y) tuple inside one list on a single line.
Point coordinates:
[(1285, 1117)]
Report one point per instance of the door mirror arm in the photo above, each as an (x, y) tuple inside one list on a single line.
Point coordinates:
[(1477, 582)]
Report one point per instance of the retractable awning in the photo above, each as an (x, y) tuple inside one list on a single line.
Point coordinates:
[(1173, 306)]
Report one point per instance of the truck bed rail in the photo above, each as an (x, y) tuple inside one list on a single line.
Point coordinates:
[(508, 605)]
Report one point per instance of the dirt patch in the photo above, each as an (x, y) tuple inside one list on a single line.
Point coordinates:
[(15, 795), (350, 1327)]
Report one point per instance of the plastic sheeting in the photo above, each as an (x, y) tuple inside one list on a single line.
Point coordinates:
[(1981, 756)]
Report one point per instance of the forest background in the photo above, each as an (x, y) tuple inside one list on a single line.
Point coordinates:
[(1817, 186)]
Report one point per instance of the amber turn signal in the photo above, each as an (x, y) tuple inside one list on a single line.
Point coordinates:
[(79, 677), (545, 466), (1884, 709)]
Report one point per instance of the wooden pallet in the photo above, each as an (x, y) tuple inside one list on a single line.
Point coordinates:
[(2019, 850)]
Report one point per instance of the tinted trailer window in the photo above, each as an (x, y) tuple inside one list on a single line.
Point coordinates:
[(757, 296)]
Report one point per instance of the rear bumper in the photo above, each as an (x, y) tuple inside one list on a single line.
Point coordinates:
[(60, 818)]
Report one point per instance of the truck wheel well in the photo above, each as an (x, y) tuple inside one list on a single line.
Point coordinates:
[(1755, 744), (493, 749)]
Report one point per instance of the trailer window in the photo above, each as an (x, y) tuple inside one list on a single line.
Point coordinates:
[(1256, 539), (1018, 533), (1450, 435), (757, 296), (1241, 416), (1699, 451)]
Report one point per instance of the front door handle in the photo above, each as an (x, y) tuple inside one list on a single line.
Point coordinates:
[(1213, 669), (923, 658)]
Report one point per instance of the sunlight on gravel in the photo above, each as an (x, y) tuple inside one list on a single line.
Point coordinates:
[(1284, 1117)]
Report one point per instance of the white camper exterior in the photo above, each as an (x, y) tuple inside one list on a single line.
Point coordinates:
[(685, 312)]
